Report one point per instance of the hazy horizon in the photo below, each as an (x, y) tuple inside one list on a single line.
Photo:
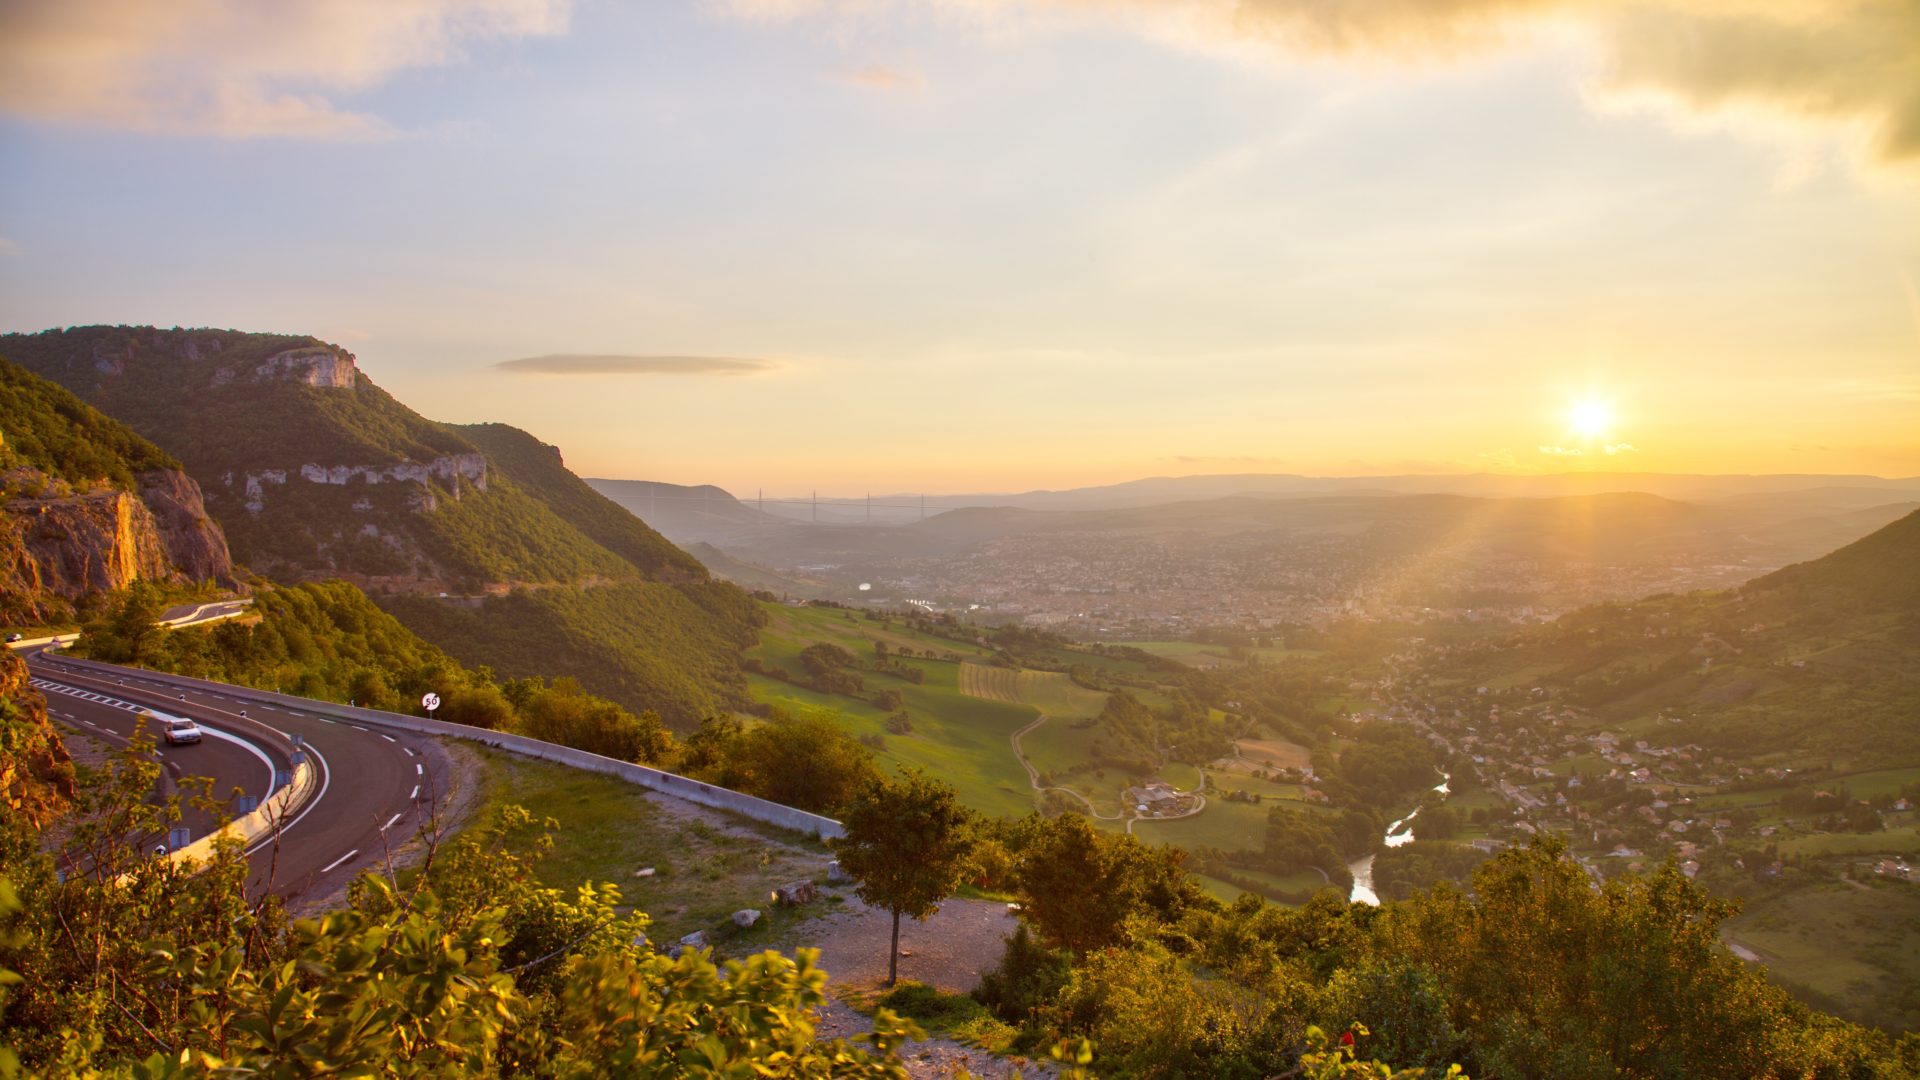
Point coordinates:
[(1025, 244)]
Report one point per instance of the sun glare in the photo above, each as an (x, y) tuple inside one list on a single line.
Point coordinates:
[(1591, 419)]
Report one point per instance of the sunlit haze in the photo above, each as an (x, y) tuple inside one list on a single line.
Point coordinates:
[(801, 245)]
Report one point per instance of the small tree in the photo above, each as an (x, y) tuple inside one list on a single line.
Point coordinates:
[(907, 846)]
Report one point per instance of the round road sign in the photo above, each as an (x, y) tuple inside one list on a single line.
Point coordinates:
[(430, 702)]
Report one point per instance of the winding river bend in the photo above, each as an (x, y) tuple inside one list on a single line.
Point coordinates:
[(1398, 833)]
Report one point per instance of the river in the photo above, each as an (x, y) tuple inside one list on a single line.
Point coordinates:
[(1398, 833)]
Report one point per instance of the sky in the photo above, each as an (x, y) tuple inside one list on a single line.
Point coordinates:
[(989, 245)]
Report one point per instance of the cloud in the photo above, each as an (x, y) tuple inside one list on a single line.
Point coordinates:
[(585, 364), (1239, 459), (237, 68), (1613, 449), (882, 78), (1850, 63), (1563, 451)]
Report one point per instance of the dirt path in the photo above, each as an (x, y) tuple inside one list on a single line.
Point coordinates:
[(948, 951), (1033, 774)]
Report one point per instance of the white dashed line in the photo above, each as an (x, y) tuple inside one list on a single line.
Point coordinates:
[(356, 727), (389, 823), (340, 860), (409, 750), (390, 738), (417, 770), (416, 792), (324, 720)]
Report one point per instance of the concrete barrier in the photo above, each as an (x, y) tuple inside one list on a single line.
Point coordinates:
[(680, 787), (272, 813)]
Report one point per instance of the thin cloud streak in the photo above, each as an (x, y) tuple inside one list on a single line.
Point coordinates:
[(604, 364)]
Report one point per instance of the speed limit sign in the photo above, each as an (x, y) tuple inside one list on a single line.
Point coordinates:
[(430, 702)]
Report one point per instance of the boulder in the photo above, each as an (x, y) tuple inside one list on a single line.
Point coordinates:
[(645, 871), (745, 918), (800, 892), (694, 941)]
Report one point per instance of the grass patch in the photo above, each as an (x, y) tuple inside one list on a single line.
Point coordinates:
[(1846, 948), (955, 1015), (963, 740), (607, 829), (1227, 826)]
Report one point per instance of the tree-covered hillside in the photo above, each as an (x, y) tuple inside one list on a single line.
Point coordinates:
[(1821, 658), (317, 473), (43, 426)]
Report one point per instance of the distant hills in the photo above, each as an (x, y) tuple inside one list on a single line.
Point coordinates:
[(1819, 661), (316, 472), (1150, 491), (688, 515), (1880, 571)]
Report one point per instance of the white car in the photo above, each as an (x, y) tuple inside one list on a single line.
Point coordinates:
[(179, 729)]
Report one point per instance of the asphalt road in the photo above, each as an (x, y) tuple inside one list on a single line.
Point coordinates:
[(376, 789)]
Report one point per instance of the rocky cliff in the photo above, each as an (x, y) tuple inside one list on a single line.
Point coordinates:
[(87, 506), (36, 775)]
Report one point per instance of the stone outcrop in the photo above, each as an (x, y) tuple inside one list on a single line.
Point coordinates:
[(69, 545), (195, 544), (449, 470), (36, 775), (314, 365)]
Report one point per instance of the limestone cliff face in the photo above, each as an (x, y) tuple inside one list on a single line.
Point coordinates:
[(36, 775), (194, 542), (59, 546)]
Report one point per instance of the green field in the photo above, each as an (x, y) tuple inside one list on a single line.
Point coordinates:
[(1200, 654), (1849, 948), (1227, 826), (961, 740), (1902, 841), (791, 628)]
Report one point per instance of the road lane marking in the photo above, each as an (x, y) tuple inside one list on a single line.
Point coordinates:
[(356, 727), (417, 770), (409, 750), (389, 738), (339, 860), (324, 720), (389, 823), (416, 792)]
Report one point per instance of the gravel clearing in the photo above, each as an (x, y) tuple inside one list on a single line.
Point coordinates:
[(948, 951)]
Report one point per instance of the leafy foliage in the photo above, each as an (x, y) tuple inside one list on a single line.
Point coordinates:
[(1534, 973), (133, 967)]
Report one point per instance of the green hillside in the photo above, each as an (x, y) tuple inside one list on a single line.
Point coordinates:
[(1818, 660), (670, 648), (317, 473), (536, 467), (43, 426), (1880, 570)]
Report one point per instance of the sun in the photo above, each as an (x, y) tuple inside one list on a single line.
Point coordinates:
[(1591, 419)]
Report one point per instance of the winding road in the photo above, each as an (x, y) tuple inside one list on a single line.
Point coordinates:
[(374, 790)]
